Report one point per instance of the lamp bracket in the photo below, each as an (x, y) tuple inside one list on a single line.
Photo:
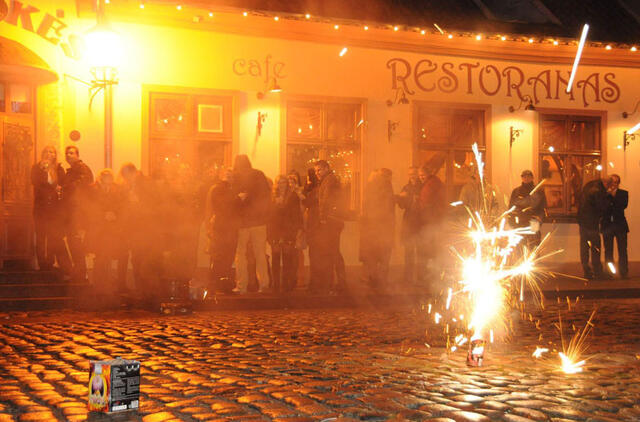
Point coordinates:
[(627, 138), (391, 127), (513, 135), (635, 109)]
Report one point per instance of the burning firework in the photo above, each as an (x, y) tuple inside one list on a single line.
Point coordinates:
[(495, 268)]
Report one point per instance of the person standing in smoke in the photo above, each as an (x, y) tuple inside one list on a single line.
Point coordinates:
[(75, 187), (331, 223), (591, 210), (377, 227), (222, 215), (106, 230), (528, 208), (432, 212), (252, 189), (409, 200), (312, 221), (139, 227), (283, 230), (47, 177), (614, 225)]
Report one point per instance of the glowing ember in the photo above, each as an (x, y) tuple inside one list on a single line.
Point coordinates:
[(539, 351), (570, 367)]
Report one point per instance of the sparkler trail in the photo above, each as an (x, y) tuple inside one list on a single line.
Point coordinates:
[(494, 268), (576, 61)]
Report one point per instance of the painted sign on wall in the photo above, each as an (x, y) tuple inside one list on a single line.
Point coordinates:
[(550, 84), (48, 27)]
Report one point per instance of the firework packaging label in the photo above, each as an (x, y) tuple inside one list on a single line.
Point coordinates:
[(476, 352), (114, 385)]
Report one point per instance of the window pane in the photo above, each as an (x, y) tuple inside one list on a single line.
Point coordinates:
[(552, 135), (342, 120), (344, 161), (457, 127), (170, 114), (464, 166), (301, 158), (303, 121), (552, 171), (584, 135), (581, 170), (20, 98)]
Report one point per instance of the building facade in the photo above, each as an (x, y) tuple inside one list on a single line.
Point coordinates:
[(196, 86)]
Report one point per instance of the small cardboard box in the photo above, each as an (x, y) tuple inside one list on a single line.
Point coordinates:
[(114, 385)]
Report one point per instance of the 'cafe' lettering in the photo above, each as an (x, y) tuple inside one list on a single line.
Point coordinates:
[(427, 75)]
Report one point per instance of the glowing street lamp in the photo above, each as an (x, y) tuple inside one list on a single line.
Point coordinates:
[(103, 55)]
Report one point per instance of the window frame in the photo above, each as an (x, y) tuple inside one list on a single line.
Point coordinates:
[(194, 96), (569, 114), (324, 142), (483, 109)]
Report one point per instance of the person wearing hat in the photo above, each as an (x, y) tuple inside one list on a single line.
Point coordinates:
[(528, 208)]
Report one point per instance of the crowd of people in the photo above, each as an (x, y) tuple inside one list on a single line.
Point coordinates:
[(257, 228)]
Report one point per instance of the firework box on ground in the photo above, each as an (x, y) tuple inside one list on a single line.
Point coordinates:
[(114, 385)]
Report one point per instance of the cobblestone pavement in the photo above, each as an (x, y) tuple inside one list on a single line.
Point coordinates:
[(314, 365)]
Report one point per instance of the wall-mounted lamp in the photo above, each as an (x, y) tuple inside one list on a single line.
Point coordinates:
[(261, 119), (629, 135), (625, 114), (271, 86), (525, 99), (513, 134), (391, 127), (400, 98)]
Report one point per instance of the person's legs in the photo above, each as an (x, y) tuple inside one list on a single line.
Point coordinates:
[(623, 260), (596, 244), (584, 253), (40, 229), (410, 259), (258, 236), (277, 267), (242, 273), (607, 240), (289, 267), (76, 247)]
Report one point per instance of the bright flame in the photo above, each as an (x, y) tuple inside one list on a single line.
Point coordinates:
[(343, 51), (612, 267), (569, 366)]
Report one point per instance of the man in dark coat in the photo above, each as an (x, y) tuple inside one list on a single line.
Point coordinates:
[(591, 210), (254, 194), (75, 188), (529, 208), (408, 200), (614, 225), (433, 207), (222, 214), (331, 215)]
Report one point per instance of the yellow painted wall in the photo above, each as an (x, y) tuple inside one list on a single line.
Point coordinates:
[(171, 56)]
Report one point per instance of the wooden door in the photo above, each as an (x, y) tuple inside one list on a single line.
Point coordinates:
[(17, 151)]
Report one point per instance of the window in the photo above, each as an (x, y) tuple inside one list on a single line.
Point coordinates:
[(332, 131), (189, 134), (569, 157), (443, 137), (20, 98)]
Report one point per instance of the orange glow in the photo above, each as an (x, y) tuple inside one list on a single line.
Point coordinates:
[(308, 16), (103, 47), (530, 40), (336, 26), (366, 28), (478, 37)]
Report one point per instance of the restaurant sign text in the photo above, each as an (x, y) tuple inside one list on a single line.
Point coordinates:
[(427, 75)]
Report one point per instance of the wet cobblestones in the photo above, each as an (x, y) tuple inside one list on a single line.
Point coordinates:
[(317, 365)]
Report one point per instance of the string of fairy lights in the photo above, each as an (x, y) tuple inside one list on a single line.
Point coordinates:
[(339, 24)]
